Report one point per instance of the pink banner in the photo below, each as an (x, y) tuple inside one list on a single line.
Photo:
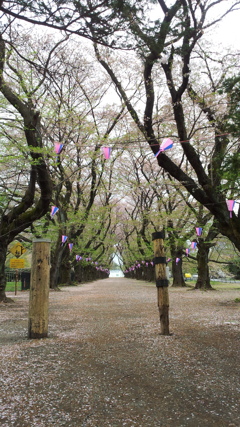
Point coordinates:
[(106, 152), (230, 205)]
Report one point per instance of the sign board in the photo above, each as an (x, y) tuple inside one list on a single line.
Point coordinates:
[(17, 263), (17, 250)]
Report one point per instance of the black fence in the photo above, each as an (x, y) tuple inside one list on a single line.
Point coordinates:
[(22, 276)]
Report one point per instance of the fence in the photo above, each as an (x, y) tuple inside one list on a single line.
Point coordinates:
[(23, 276)]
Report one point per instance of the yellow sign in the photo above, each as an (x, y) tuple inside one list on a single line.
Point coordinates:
[(18, 250), (17, 263)]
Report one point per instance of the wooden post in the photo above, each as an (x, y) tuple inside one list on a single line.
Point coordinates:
[(16, 281), (39, 289), (161, 281)]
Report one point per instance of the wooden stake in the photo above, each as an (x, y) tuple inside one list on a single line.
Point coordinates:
[(39, 289), (161, 281), (16, 281)]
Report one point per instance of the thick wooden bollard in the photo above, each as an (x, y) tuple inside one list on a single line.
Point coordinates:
[(161, 281), (39, 289)]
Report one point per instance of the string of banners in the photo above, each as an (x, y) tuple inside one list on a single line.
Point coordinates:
[(106, 151)]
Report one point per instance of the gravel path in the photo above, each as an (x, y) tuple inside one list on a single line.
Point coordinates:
[(106, 364)]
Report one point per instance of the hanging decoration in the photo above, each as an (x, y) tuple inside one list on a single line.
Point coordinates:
[(177, 260), (64, 239), (141, 264), (187, 251), (58, 147), (106, 152), (199, 231), (193, 245), (54, 210), (166, 145), (70, 245), (230, 205), (78, 258)]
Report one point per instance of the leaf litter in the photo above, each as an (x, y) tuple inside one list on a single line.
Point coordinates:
[(105, 363)]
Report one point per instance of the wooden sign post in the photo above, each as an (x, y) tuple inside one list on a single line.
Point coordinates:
[(161, 281), (39, 289)]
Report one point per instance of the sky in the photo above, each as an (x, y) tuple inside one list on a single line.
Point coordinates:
[(228, 31)]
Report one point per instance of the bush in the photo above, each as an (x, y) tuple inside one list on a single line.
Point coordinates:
[(235, 268)]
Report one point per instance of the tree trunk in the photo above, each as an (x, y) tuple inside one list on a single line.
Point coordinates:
[(55, 264), (177, 273), (203, 281), (176, 252), (65, 271), (3, 254), (78, 273)]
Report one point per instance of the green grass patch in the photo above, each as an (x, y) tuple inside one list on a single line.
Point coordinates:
[(223, 286), (220, 286), (11, 287)]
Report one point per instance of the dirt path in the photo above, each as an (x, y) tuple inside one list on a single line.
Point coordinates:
[(105, 363)]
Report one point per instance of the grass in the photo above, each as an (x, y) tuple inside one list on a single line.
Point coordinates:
[(11, 286), (219, 286)]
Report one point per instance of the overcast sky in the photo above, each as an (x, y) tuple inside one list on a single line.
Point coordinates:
[(228, 31)]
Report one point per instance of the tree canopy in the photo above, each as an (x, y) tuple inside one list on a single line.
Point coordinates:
[(169, 83), (167, 43)]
